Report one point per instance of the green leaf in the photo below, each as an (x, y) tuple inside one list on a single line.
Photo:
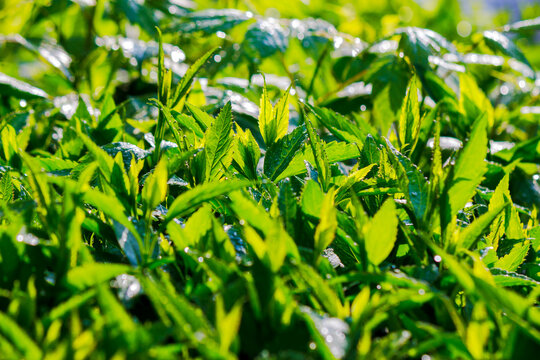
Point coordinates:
[(247, 152), (9, 142), (509, 278), (110, 206), (189, 123), (189, 200), (514, 258), (18, 337), (265, 38), (382, 232), (6, 188), (524, 25), (418, 44), (155, 186), (282, 152), (412, 182), (500, 42), (467, 173), (409, 119), (73, 303), (13, 87), (171, 121), (473, 232), (324, 293), (105, 161), (473, 102), (218, 144), (338, 125), (184, 85), (321, 160), (203, 119), (273, 121), (335, 151), (326, 229), (88, 275), (211, 20)]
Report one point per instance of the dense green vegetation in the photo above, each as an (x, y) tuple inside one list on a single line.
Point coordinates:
[(279, 180)]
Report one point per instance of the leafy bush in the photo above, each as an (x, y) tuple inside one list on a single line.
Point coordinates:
[(245, 184)]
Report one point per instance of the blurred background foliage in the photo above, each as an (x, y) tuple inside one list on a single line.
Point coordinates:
[(75, 82)]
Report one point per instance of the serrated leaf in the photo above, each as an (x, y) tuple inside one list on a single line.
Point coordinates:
[(8, 137), (473, 232), (282, 152), (321, 160), (499, 197), (382, 232), (273, 121), (218, 144), (338, 125), (288, 207), (247, 152), (335, 151), (412, 182), (509, 278), (409, 119), (6, 188), (516, 256)]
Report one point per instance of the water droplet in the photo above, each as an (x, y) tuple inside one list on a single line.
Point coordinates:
[(221, 34), (421, 292), (242, 222), (177, 55), (363, 107), (464, 28), (437, 258), (504, 90), (426, 357), (200, 259), (22, 103), (217, 58), (186, 249), (329, 338), (379, 287), (312, 345)]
